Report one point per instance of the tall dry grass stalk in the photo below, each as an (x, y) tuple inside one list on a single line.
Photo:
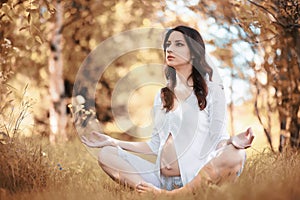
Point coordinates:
[(34, 169), (24, 165), (266, 175)]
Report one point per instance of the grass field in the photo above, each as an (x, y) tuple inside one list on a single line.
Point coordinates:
[(38, 170), (31, 168)]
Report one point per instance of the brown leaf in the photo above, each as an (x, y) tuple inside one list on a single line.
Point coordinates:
[(35, 10), (24, 28), (28, 18), (38, 39)]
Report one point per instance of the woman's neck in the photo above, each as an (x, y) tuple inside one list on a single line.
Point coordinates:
[(183, 87), (183, 74), (184, 71)]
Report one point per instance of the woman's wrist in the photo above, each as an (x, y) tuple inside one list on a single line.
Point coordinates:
[(114, 142), (229, 141)]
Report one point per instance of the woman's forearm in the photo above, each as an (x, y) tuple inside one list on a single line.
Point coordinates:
[(224, 143), (137, 147)]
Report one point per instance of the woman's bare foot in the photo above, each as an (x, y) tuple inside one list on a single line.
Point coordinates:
[(144, 187)]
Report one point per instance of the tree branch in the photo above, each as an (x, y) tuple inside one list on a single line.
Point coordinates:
[(258, 115), (265, 9), (267, 39), (76, 18), (2, 16)]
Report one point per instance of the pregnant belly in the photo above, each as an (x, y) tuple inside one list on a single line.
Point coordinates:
[(168, 161)]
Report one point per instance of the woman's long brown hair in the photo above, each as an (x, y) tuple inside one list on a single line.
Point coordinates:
[(199, 70)]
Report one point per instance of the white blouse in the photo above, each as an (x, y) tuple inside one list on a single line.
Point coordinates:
[(195, 133)]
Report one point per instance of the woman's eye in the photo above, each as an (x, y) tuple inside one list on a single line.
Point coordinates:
[(168, 44), (179, 44)]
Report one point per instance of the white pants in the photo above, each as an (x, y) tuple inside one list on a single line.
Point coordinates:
[(150, 174), (149, 171)]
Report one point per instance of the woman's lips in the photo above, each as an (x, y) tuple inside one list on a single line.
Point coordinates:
[(170, 57)]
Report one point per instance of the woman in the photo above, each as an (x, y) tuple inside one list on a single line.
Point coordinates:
[(189, 136)]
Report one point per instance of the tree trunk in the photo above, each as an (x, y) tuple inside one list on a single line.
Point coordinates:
[(231, 106), (295, 121), (288, 112), (57, 110)]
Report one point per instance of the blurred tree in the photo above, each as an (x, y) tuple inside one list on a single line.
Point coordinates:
[(57, 109), (50, 39), (272, 28), (7, 52), (26, 28)]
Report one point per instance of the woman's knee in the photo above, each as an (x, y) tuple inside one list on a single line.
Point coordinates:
[(105, 154), (228, 163), (239, 158), (241, 155), (232, 157)]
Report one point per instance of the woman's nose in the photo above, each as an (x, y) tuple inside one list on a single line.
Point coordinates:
[(169, 49)]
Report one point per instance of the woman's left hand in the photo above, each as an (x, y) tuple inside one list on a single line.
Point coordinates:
[(243, 140)]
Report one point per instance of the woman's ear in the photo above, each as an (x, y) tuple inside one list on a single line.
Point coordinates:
[(192, 59)]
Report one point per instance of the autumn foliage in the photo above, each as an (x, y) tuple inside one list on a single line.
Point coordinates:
[(43, 44)]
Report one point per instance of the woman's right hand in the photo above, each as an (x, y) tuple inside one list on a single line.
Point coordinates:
[(98, 140)]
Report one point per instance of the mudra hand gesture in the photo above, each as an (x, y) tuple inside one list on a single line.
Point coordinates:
[(242, 140), (98, 140)]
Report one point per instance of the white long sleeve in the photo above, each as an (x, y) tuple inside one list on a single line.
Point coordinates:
[(195, 133)]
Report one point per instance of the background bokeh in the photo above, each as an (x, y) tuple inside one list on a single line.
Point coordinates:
[(254, 44)]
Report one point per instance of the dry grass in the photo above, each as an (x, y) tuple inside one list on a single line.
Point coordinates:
[(37, 170), (34, 169), (22, 167)]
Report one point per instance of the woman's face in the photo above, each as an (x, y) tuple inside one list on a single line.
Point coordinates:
[(177, 51)]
